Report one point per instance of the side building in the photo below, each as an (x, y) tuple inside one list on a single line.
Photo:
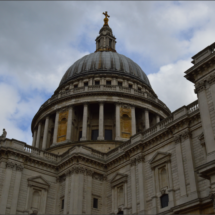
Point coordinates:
[(105, 144)]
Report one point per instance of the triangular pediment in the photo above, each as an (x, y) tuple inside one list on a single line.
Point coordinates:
[(159, 155), (118, 176), (38, 179)]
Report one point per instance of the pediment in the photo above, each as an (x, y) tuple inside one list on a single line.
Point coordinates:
[(159, 158), (118, 178), (38, 181)]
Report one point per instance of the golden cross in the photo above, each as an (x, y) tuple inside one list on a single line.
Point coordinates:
[(106, 14)]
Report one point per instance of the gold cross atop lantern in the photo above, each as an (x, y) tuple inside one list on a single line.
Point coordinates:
[(106, 18)]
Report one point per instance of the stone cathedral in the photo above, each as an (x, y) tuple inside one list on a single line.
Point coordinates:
[(105, 144)]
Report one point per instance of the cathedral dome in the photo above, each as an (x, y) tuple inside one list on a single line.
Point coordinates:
[(105, 62)]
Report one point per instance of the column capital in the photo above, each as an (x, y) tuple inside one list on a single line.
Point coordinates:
[(10, 165), (133, 162), (19, 167), (140, 158)]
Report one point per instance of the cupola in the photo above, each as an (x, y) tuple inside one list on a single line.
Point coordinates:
[(105, 41)]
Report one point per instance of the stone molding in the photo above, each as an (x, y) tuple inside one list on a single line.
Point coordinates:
[(12, 165), (160, 158), (118, 178), (39, 182)]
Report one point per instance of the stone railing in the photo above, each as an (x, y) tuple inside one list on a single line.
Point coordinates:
[(104, 88)]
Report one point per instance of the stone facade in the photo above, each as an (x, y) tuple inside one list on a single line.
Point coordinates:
[(105, 144)]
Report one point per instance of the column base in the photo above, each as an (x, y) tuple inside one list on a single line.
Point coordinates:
[(100, 138), (83, 139)]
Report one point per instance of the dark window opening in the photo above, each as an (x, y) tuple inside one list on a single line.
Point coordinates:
[(164, 200), (120, 84), (85, 84), (108, 82), (62, 204), (95, 203), (139, 89), (97, 82), (130, 85), (94, 134), (80, 135), (75, 86), (110, 43), (120, 212), (108, 134), (98, 43)]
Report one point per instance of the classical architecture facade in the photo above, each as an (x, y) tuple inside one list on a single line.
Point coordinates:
[(105, 144)]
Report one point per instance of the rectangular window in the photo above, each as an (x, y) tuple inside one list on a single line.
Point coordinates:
[(108, 82), (80, 135), (95, 203), (97, 82), (108, 134), (110, 43), (164, 200), (85, 84), (94, 134), (120, 84), (75, 86), (62, 204), (130, 85)]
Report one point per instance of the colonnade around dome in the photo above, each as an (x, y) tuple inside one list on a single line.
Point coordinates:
[(104, 114)]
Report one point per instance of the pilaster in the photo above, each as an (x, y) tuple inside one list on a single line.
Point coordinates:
[(133, 185)]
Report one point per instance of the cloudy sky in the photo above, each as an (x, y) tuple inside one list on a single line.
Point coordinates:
[(40, 40)]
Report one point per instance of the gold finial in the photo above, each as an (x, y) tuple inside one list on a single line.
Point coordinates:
[(106, 18)]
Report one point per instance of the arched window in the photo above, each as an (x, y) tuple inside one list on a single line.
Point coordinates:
[(164, 200)]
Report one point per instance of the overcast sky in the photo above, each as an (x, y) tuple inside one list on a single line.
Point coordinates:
[(40, 40)]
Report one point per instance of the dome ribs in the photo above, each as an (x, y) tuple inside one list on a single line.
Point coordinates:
[(108, 62)]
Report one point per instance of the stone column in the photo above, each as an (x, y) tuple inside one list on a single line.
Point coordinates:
[(104, 191), (101, 121), (154, 197), (89, 174), (206, 120), (19, 169), (34, 138), (73, 185), (6, 187), (133, 120), (69, 124), (38, 135), (66, 203), (180, 166), (113, 199), (170, 189), (56, 127), (126, 198), (146, 119), (133, 186), (84, 124), (78, 190), (157, 119), (57, 195), (117, 114), (81, 190), (142, 191), (190, 165), (45, 135)]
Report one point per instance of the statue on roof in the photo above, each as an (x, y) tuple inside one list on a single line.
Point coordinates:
[(4, 134), (106, 18)]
